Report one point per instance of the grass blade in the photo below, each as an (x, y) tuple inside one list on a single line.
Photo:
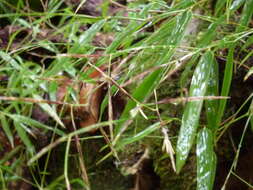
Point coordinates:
[(192, 110), (206, 160)]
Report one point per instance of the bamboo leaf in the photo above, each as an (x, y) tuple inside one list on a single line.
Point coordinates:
[(206, 160), (145, 88), (192, 110), (212, 90), (226, 83)]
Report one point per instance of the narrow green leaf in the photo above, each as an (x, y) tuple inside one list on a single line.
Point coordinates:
[(245, 16), (236, 4), (244, 21), (7, 58), (88, 35), (33, 123), (78, 48), (150, 82), (210, 34), (206, 160), (226, 83), (138, 136), (220, 4), (142, 91), (184, 4), (132, 27), (24, 137), (206, 39), (212, 90), (247, 43), (7, 130), (48, 109), (192, 110), (10, 155)]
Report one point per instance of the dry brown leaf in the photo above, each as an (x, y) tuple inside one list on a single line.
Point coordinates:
[(90, 97)]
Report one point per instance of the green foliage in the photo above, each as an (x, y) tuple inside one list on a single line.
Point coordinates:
[(153, 42), (192, 110)]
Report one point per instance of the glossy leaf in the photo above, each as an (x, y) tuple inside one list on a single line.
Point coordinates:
[(145, 88), (245, 16), (24, 137), (78, 48), (33, 123), (244, 21), (7, 130), (132, 27), (7, 58), (226, 83), (206, 160), (138, 136), (192, 110), (212, 90), (50, 111), (184, 4), (236, 4), (206, 39)]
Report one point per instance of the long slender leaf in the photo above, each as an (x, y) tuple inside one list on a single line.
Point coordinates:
[(64, 62), (48, 109), (236, 4), (244, 21), (206, 39), (212, 90), (192, 110), (7, 129), (24, 137), (150, 82), (206, 160), (7, 58), (138, 136), (246, 15), (33, 123), (226, 83)]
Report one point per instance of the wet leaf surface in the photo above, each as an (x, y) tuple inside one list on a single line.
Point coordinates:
[(192, 110)]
